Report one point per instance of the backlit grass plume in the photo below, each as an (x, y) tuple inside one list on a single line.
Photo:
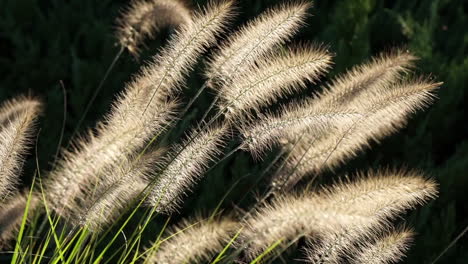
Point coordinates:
[(268, 129), (105, 197), (368, 202), (385, 249), (11, 215), (381, 71), (241, 50), (17, 118), (143, 18), (273, 77), (184, 167), (193, 241), (382, 113), (142, 112), (118, 187)]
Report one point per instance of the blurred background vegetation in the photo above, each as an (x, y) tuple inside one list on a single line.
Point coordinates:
[(46, 42)]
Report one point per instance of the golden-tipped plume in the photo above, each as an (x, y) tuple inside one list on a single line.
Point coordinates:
[(193, 241), (241, 50), (184, 167), (143, 18), (16, 119)]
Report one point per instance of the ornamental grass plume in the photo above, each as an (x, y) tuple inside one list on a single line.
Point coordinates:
[(184, 166), (126, 161), (194, 240), (382, 113), (274, 76), (11, 215), (371, 201), (143, 111), (17, 118), (381, 71), (386, 249), (242, 49), (120, 185), (143, 18), (334, 247), (267, 130)]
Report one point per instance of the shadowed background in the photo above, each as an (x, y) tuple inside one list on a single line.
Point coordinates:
[(43, 42)]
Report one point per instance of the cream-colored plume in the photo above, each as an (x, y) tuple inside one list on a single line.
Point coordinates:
[(383, 112), (331, 248), (143, 18), (381, 71), (386, 249), (142, 112), (364, 204), (255, 39), (184, 167), (118, 187), (267, 130), (193, 241), (17, 117), (274, 76), (11, 215)]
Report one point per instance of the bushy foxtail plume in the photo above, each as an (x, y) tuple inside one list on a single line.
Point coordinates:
[(366, 203), (267, 130), (184, 167), (165, 75), (143, 18), (11, 215), (118, 187), (139, 114), (68, 185), (272, 77), (111, 204), (272, 28), (194, 241), (15, 107), (380, 72), (17, 117), (386, 249), (332, 248), (383, 113)]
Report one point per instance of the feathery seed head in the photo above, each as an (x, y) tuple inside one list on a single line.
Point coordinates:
[(11, 215), (194, 241), (17, 118), (140, 113), (184, 167), (381, 71), (384, 112), (116, 189), (242, 49), (386, 249), (143, 18), (269, 129), (273, 76), (115, 143), (364, 204)]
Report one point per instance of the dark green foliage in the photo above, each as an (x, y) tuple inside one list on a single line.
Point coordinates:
[(45, 42)]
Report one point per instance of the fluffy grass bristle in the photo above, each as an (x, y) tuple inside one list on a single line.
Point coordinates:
[(193, 241), (143, 18)]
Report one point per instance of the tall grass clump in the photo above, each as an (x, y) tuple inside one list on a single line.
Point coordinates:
[(114, 194)]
